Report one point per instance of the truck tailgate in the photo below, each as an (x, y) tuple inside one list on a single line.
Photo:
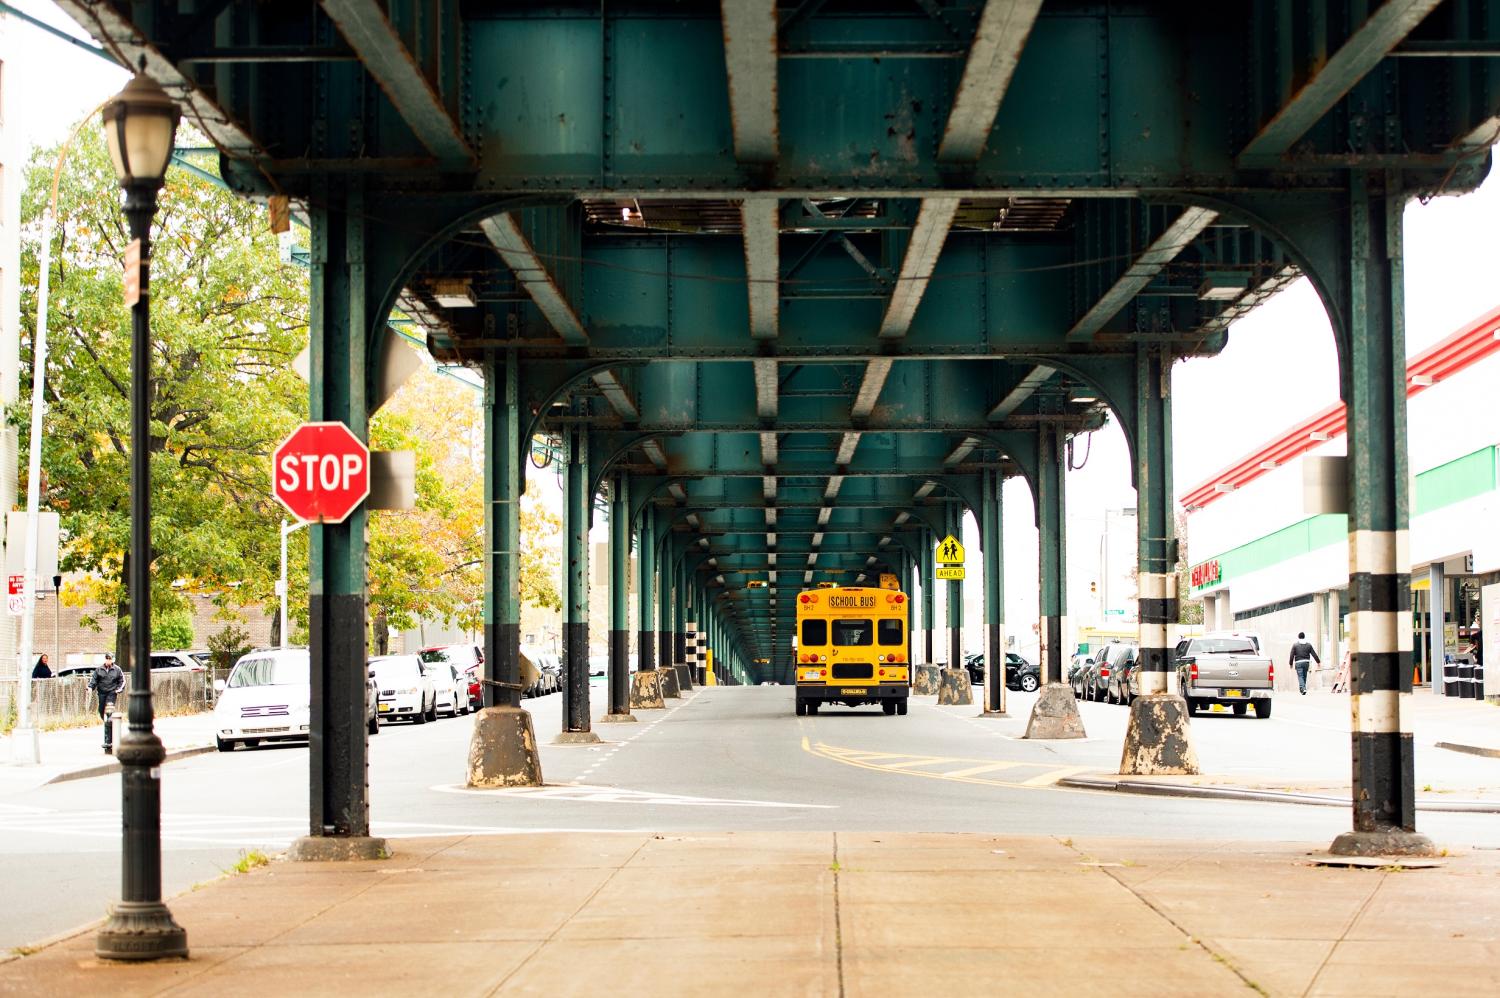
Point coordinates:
[(1248, 672)]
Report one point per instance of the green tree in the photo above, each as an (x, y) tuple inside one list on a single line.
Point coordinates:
[(173, 629), (226, 318)]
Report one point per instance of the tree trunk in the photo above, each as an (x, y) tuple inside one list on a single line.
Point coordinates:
[(382, 634), (122, 617)]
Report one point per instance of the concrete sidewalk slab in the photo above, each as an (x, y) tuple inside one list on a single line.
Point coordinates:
[(77, 753), (817, 914)]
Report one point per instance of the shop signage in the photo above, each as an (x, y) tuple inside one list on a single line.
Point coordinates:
[(1206, 574)]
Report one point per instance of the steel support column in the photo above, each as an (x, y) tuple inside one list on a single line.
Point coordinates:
[(666, 557), (1158, 737), (1055, 713), (954, 523), (1380, 646), (576, 516), (338, 782), (1051, 521), (502, 582), (991, 540), (646, 591), (1156, 529), (502, 746), (929, 543), (619, 598)]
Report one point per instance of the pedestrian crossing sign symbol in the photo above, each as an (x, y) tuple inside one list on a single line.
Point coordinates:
[(949, 551)]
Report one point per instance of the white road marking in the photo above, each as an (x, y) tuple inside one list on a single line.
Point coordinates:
[(582, 793)]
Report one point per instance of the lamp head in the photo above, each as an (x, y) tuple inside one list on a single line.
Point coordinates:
[(140, 124)]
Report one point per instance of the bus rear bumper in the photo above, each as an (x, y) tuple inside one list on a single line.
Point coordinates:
[(853, 694)]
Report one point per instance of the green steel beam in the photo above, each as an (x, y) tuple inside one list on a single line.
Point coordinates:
[(367, 28), (1030, 382), (1162, 251), (1365, 47)]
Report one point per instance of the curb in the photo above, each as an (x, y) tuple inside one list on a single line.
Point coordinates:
[(1265, 796), (1488, 753), (105, 769)]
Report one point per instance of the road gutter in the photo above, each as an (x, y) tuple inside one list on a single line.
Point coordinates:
[(1240, 793), (105, 769)]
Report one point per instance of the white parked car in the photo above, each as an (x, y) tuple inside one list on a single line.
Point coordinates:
[(405, 690), (179, 661), (265, 699), (450, 686)]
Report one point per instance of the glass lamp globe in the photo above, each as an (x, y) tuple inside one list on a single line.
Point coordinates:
[(140, 123)]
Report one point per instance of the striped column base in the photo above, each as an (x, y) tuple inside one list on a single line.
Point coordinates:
[(1158, 738)]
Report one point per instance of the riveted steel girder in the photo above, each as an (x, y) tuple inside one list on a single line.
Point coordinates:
[(367, 28)]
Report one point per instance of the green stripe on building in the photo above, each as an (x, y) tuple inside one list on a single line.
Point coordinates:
[(1459, 480)]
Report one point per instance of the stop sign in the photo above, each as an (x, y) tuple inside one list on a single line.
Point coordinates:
[(321, 472)]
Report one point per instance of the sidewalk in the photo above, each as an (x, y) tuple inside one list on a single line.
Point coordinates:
[(817, 914), (71, 753), (1303, 750)]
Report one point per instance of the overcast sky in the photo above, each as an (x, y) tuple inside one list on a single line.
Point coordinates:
[(1279, 367)]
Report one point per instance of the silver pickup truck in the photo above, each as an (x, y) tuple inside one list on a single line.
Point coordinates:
[(1227, 669)]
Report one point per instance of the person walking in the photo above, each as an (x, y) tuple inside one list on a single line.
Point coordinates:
[(42, 670), (1302, 657), (107, 681)]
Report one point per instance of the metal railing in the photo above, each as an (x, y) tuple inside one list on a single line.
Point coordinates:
[(58, 702)]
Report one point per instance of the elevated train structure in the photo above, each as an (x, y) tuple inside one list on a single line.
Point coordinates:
[(796, 282)]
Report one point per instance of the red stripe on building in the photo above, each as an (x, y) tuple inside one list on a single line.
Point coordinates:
[(1468, 346)]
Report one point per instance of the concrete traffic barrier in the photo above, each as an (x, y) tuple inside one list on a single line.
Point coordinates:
[(1158, 739), (684, 677), (502, 750), (954, 688), (1055, 714), (924, 681), (669, 687), (645, 690)]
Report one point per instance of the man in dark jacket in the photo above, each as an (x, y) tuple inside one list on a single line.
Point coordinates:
[(1302, 657), (107, 681)]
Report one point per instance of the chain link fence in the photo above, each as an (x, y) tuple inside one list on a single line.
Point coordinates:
[(61, 702)]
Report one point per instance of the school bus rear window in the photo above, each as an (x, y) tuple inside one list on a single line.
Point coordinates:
[(847, 633), (890, 632), (814, 632)]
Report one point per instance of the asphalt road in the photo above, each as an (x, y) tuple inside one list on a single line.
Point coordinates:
[(727, 759)]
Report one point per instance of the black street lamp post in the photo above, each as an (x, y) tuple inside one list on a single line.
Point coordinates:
[(139, 126)]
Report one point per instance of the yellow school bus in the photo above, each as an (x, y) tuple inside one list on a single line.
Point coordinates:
[(852, 649)]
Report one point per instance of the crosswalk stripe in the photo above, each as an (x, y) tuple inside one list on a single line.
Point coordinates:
[(1052, 776), (923, 760), (988, 767)]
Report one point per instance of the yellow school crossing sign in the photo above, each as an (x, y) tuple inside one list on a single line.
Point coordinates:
[(950, 559)]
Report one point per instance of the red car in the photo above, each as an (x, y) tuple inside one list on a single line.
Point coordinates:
[(468, 659)]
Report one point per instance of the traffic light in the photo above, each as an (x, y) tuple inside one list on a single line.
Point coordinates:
[(1093, 588)]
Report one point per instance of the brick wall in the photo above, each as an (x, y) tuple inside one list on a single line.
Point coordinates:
[(54, 622)]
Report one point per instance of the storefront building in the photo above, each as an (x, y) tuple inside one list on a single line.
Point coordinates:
[(1276, 566)]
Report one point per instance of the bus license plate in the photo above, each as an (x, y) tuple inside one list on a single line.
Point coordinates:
[(1234, 693), (852, 693)]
